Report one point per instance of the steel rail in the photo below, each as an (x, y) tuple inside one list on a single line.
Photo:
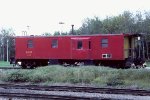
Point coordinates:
[(43, 96), (78, 89)]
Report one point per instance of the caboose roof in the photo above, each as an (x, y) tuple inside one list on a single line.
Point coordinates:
[(125, 34)]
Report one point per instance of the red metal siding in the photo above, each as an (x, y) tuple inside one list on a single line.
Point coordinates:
[(67, 47), (83, 52), (22, 52), (63, 50), (115, 47), (42, 48)]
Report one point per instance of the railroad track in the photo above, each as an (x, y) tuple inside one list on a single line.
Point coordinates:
[(137, 92), (44, 96), (10, 68)]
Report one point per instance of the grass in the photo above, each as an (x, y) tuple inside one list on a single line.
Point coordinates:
[(148, 63), (4, 64), (99, 76)]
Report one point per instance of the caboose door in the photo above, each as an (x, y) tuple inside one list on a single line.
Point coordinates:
[(80, 48)]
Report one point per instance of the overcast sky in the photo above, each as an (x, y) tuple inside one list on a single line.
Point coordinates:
[(45, 15)]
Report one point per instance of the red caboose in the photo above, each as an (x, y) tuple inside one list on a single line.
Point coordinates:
[(103, 49)]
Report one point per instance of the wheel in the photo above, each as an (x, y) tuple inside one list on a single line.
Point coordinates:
[(96, 63), (23, 66), (129, 64)]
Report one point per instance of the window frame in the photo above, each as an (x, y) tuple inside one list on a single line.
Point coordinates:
[(89, 45), (54, 43), (104, 42), (30, 44), (79, 44)]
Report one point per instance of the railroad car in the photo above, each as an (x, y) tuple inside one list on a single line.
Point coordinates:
[(117, 50)]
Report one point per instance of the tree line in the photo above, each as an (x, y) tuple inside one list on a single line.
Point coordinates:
[(7, 44), (126, 22)]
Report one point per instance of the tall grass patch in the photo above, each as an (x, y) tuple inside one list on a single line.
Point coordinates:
[(102, 76), (16, 76)]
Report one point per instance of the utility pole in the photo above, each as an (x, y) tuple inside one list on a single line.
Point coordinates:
[(7, 51), (3, 53), (2, 49), (139, 43)]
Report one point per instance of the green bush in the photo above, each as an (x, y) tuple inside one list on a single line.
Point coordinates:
[(115, 81), (17, 76), (100, 81)]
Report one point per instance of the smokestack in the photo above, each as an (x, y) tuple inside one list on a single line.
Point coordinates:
[(72, 29)]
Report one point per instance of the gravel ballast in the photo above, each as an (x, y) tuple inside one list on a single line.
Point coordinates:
[(78, 94)]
